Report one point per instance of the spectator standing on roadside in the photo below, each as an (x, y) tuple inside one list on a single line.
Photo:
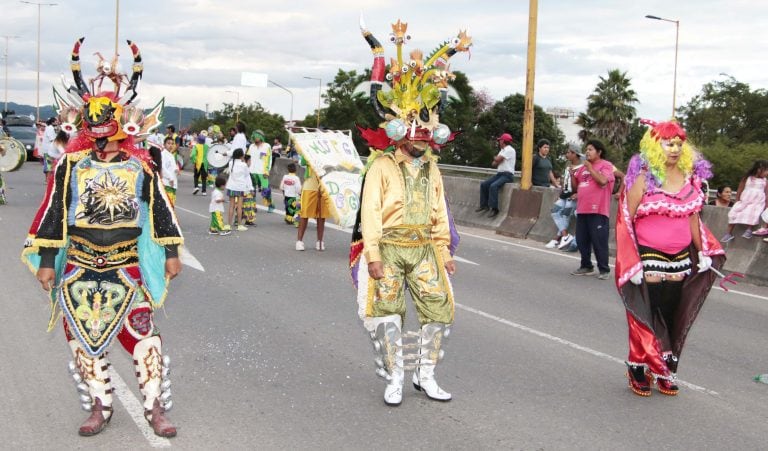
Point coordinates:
[(593, 183), (504, 162), (565, 205), (542, 174)]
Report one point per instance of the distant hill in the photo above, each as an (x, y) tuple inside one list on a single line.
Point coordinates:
[(170, 113)]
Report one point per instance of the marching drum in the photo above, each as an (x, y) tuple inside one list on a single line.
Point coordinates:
[(218, 156), (12, 155)]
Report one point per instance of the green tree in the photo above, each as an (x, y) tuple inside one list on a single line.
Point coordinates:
[(727, 109), (730, 162), (507, 116), (610, 113), (254, 116)]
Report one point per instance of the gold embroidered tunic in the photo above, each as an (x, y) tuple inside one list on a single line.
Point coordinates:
[(388, 203)]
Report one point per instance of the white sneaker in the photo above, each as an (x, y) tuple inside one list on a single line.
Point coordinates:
[(551, 244), (299, 245), (320, 246), (195, 191), (204, 193), (241, 228), (565, 241)]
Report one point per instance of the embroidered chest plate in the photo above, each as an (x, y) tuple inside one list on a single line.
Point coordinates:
[(106, 195)]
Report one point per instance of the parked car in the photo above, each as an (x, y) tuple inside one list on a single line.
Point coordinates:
[(23, 128)]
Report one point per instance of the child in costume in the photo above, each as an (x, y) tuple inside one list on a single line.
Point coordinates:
[(104, 244), (169, 170), (199, 157), (663, 254), (238, 183), (249, 200), (752, 199), (261, 162), (291, 187), (216, 208)]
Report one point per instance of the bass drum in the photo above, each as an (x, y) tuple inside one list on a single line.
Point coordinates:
[(12, 155), (217, 156)]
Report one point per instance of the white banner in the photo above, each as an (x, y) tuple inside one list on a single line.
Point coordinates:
[(332, 156)]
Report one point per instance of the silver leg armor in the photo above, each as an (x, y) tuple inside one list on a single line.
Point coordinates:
[(91, 378), (431, 341), (388, 347)]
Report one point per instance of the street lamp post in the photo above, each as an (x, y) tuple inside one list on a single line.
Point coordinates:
[(319, 96), (677, 35), (39, 7), (7, 38), (289, 92), (237, 108)]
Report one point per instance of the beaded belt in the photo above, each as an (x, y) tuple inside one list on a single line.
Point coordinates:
[(101, 258)]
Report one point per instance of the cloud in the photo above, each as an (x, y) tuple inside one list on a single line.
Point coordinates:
[(194, 50)]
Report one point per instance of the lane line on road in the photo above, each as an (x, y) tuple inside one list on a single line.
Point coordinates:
[(570, 344), (561, 254), (136, 411)]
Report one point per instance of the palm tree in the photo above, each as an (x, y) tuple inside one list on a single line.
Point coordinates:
[(610, 111)]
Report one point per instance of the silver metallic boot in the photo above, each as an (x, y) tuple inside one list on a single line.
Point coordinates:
[(388, 347), (433, 336)]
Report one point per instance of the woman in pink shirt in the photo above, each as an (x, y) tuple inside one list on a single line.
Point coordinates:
[(593, 183)]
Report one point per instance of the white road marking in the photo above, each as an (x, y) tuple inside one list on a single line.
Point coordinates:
[(136, 411), (561, 254), (570, 344), (521, 327), (188, 259)]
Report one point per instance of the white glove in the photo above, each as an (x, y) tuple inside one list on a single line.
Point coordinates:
[(704, 262), (637, 279)]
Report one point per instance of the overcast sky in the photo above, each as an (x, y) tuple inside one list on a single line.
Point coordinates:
[(194, 51)]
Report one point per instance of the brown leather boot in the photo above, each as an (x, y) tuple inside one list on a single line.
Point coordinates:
[(96, 422), (161, 425)]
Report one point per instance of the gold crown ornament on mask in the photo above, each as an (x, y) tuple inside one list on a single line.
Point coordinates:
[(410, 96)]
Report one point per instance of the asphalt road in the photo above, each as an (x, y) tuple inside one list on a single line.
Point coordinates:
[(267, 352)]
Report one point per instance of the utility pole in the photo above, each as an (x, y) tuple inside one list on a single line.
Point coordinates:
[(7, 38), (39, 7), (530, 75)]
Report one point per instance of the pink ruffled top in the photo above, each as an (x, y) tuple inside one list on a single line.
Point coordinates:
[(662, 218)]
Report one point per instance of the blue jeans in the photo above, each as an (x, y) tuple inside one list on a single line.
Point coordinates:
[(562, 211), (489, 189)]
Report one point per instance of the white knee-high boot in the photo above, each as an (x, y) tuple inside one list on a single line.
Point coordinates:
[(431, 341), (388, 347), (94, 387), (152, 373)]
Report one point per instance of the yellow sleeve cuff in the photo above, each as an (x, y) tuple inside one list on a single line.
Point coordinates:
[(372, 254), (446, 253)]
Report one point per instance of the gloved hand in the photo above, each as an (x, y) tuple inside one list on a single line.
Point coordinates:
[(704, 262), (637, 279)]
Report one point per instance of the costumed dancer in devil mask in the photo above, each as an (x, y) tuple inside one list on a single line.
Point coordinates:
[(664, 254), (404, 235), (104, 244)]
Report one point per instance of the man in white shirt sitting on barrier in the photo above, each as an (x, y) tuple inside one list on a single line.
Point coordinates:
[(504, 161)]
